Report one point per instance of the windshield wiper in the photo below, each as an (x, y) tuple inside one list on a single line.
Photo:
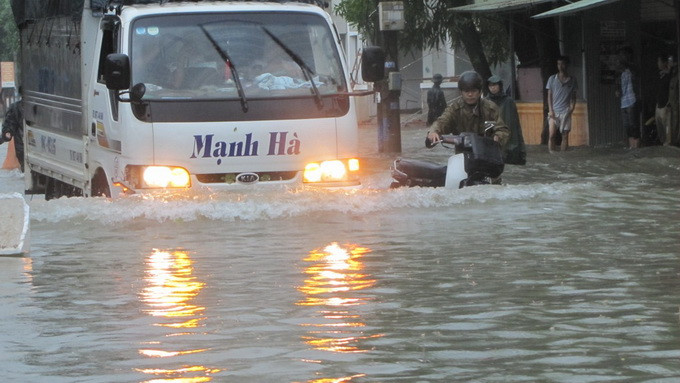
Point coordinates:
[(234, 74), (306, 70)]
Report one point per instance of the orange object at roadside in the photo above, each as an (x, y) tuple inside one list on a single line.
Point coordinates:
[(11, 161)]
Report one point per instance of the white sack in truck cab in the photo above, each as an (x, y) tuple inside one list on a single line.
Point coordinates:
[(200, 95)]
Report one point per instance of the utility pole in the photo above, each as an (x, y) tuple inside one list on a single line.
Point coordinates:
[(391, 19)]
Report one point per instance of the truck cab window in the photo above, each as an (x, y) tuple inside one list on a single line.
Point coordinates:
[(109, 45), (180, 57)]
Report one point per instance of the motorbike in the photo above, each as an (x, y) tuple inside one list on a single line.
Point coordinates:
[(478, 160)]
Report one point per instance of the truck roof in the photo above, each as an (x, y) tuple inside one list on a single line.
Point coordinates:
[(221, 6), (27, 11)]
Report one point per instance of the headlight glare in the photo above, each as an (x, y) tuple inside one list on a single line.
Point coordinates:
[(165, 176), (331, 171), (312, 172), (353, 164)]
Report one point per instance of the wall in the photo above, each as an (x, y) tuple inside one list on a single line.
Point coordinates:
[(607, 27), (531, 118)]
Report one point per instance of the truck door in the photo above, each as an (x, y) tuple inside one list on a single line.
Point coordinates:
[(105, 128)]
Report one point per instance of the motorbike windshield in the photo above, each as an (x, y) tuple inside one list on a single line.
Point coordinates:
[(187, 56)]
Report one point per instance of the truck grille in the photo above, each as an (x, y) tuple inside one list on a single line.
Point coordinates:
[(230, 178)]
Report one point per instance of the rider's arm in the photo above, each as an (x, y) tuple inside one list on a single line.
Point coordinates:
[(501, 132), (445, 124)]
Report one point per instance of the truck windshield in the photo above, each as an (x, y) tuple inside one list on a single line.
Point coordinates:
[(182, 56)]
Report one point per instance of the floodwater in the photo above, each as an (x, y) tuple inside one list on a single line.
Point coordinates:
[(569, 272)]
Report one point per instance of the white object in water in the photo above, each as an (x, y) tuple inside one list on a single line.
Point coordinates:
[(14, 224)]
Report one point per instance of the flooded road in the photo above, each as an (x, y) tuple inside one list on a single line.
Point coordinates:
[(569, 272)]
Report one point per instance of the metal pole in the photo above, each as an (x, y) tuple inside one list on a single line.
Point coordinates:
[(389, 124), (513, 63)]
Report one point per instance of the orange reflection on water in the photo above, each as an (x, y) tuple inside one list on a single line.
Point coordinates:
[(334, 270), (179, 371), (334, 277), (165, 354), (171, 288), (337, 380)]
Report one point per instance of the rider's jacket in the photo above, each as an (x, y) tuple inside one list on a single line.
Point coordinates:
[(459, 118)]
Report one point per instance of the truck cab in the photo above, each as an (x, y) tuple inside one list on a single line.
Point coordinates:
[(199, 96)]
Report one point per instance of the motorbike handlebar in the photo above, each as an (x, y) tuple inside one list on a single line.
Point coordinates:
[(453, 139)]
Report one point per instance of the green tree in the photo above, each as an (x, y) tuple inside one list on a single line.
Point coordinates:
[(9, 36), (430, 24)]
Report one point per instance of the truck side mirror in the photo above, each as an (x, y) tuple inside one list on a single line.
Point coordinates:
[(117, 71), (372, 64)]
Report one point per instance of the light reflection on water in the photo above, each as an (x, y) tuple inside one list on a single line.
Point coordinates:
[(334, 276), (170, 292)]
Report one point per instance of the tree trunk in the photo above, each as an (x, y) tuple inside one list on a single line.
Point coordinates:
[(473, 47)]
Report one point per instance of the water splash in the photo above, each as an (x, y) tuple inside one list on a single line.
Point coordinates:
[(277, 205)]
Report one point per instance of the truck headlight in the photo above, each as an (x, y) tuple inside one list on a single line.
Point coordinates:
[(166, 177), (331, 171)]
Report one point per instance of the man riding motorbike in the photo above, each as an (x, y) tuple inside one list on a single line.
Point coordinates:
[(469, 112)]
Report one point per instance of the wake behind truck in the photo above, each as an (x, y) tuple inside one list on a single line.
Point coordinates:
[(137, 96)]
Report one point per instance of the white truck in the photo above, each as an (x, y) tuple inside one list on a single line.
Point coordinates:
[(125, 97)]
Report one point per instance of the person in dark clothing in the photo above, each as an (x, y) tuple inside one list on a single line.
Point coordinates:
[(663, 110), (13, 129), (514, 151), (436, 102)]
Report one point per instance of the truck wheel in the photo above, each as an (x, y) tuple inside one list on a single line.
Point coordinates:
[(56, 189), (50, 189), (100, 187)]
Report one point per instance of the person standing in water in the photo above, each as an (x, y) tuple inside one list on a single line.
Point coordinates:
[(562, 89), (626, 92)]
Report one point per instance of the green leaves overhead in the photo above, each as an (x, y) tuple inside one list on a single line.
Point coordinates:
[(430, 24), (9, 37)]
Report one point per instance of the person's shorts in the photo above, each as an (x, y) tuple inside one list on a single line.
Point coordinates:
[(563, 122), (630, 121)]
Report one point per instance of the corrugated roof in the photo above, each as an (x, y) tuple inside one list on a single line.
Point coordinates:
[(573, 8), (497, 5)]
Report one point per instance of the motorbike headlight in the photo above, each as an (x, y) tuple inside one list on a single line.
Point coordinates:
[(331, 171)]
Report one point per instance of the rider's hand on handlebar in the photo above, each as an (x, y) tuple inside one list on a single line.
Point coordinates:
[(433, 138)]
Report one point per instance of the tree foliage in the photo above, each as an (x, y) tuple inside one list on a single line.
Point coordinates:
[(430, 25), (9, 36)]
